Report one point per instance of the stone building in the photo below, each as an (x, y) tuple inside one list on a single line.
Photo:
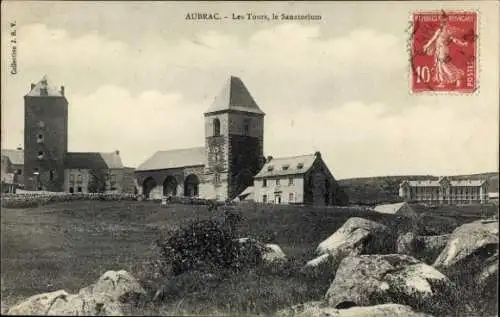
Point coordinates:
[(445, 191), (303, 179), (225, 165), (230, 158), (45, 163)]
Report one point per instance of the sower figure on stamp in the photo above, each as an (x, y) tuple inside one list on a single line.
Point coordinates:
[(446, 72)]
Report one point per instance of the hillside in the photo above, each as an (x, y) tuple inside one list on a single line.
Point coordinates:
[(373, 190)]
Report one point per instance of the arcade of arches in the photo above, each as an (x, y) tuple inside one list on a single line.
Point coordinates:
[(170, 187)]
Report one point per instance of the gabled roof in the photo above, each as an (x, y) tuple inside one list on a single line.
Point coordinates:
[(15, 157), (234, 96), (287, 166), (93, 160), (43, 84), (390, 208), (174, 159)]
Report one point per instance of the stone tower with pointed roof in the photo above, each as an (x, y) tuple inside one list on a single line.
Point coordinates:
[(234, 136), (45, 136)]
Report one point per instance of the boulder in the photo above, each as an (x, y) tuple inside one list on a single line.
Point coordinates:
[(377, 279), (359, 235), (320, 309), (103, 298), (120, 285), (269, 253), (273, 253), (478, 239), (38, 304), (424, 248), (86, 304)]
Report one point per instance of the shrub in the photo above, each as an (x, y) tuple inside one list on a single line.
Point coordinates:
[(207, 245)]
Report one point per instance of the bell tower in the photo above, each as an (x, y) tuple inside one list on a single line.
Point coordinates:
[(45, 137), (234, 137)]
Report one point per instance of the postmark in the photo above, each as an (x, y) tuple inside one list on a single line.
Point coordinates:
[(444, 51)]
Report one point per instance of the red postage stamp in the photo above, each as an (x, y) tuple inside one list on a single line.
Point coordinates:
[(444, 52)]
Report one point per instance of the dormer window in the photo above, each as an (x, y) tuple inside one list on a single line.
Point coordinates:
[(270, 168), (285, 167), (300, 165)]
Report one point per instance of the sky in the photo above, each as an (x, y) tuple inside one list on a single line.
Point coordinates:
[(139, 76)]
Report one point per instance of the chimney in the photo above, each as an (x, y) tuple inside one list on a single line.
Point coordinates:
[(62, 90), (32, 86), (317, 154), (269, 158), (117, 152)]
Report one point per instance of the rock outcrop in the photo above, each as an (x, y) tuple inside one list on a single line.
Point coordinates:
[(270, 253), (424, 248), (377, 279), (359, 235), (104, 298), (478, 239), (320, 309)]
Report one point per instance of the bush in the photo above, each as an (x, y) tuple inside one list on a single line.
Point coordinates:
[(207, 246)]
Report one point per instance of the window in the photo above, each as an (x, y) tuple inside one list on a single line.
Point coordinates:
[(51, 175), (290, 198), (71, 190), (277, 182), (246, 127), (217, 178), (290, 181), (264, 198), (216, 124), (79, 189), (264, 182), (39, 138), (300, 165), (270, 168), (35, 170), (19, 171), (71, 178), (285, 167), (40, 154), (80, 178)]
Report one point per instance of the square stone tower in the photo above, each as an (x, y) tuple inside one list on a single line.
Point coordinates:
[(234, 137), (45, 137)]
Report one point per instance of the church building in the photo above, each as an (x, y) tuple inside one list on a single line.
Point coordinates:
[(232, 160)]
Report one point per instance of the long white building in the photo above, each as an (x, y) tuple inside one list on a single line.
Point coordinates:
[(445, 191)]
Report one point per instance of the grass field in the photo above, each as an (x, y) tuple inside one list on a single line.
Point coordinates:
[(69, 245)]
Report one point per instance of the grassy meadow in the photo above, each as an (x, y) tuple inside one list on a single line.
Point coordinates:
[(69, 245)]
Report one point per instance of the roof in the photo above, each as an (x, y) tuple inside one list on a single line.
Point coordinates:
[(436, 183), (234, 96), (247, 194), (37, 90), (16, 157), (93, 160), (174, 159), (292, 165), (389, 208)]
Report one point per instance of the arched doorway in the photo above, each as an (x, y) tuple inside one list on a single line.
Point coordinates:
[(147, 186), (191, 184), (170, 186), (243, 179)]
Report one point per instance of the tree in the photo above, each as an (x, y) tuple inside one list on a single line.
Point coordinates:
[(98, 180)]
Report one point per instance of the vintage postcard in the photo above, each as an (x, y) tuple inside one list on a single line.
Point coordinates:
[(261, 158)]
